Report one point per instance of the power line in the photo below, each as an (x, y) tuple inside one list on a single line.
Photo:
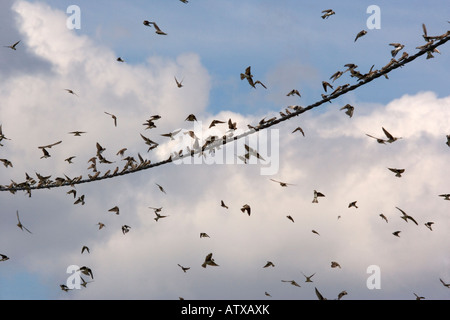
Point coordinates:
[(393, 64)]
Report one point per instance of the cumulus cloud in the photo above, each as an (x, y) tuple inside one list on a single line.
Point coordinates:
[(335, 157)]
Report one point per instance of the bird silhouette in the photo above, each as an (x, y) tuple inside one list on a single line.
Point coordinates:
[(396, 233), (360, 34), (269, 264), (222, 204), (115, 210), (209, 261), (352, 204), (349, 109), (398, 172), (13, 46), (383, 217), (112, 116), (3, 257), (246, 208), (84, 248), (429, 224), (283, 184), (308, 278), (290, 218), (327, 13), (248, 75), (292, 282), (185, 269), (317, 194), (300, 130), (19, 223), (334, 264), (179, 83), (406, 217)]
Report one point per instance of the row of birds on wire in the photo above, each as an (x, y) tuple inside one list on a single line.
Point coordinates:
[(211, 143)]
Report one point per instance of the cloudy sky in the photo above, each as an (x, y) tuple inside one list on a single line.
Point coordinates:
[(208, 44)]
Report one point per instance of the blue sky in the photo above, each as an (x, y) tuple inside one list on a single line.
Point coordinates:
[(208, 44)]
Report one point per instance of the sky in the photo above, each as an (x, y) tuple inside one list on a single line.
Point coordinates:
[(207, 45)]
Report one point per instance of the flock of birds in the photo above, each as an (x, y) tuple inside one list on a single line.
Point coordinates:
[(210, 144)]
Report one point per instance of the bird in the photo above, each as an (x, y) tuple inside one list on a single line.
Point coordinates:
[(319, 295), (341, 294), (19, 223), (308, 278), (448, 140), (269, 264), (383, 217), (69, 159), (290, 218), (171, 134), (77, 133), (184, 1), (158, 216), (334, 264), (112, 116), (429, 224), (161, 188), (146, 23), (316, 195), (406, 216), (300, 130), (100, 225), (396, 233), (292, 282), (71, 92), (50, 145), (46, 154), (379, 140), (326, 85), (125, 228), (314, 231), (64, 287), (294, 92), (360, 34), (349, 109), (336, 75), (245, 208), (398, 172), (418, 297), (87, 271), (179, 83), (352, 204), (13, 46), (397, 48), (283, 184), (84, 282), (444, 283), (185, 269), (204, 235), (214, 122), (157, 29), (115, 210), (209, 261), (391, 138), (120, 59), (6, 163), (5, 257), (248, 75), (267, 294), (80, 200), (190, 117), (84, 248), (222, 204), (445, 195), (327, 13)]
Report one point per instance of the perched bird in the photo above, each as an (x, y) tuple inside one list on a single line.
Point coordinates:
[(13, 46), (406, 216), (300, 130), (209, 261), (316, 195), (290, 218), (19, 224), (269, 264), (5, 257), (360, 34), (383, 217), (112, 116), (349, 109), (222, 204), (115, 210), (184, 268), (179, 83), (429, 224), (352, 204), (327, 13), (398, 172), (283, 184), (291, 282), (308, 278), (125, 228), (245, 208), (294, 92), (84, 248), (396, 233), (334, 264)]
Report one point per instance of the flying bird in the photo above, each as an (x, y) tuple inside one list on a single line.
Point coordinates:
[(84, 248), (185, 269), (115, 210), (360, 34), (204, 235), (327, 13), (125, 228), (245, 208), (446, 196), (292, 282), (171, 134), (294, 92), (429, 224), (316, 195), (222, 204), (71, 91), (112, 116), (352, 204), (19, 224), (383, 217), (13, 46), (334, 264), (283, 184), (50, 145), (190, 117), (314, 231), (120, 59), (248, 75), (444, 283), (87, 271), (6, 163), (308, 278), (300, 130), (397, 48), (77, 133), (214, 122), (290, 218), (161, 188), (406, 216), (209, 261), (398, 172), (69, 159), (326, 85), (5, 257), (396, 233), (179, 83), (349, 109), (391, 138), (319, 295), (100, 225), (269, 264), (341, 294), (158, 216), (157, 29)]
